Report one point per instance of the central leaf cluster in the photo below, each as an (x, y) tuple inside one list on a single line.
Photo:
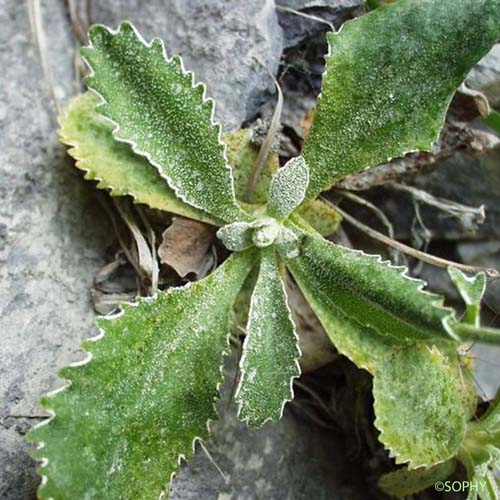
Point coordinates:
[(266, 231), (261, 233), (286, 192)]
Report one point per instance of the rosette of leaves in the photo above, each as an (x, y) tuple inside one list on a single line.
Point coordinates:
[(147, 391)]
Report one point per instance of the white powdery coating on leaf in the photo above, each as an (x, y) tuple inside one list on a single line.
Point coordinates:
[(190, 185), (266, 231), (320, 95), (371, 110), (423, 388), (287, 243), (288, 188), (403, 271), (214, 297), (237, 236), (366, 341), (270, 351), (350, 259), (117, 169), (262, 233)]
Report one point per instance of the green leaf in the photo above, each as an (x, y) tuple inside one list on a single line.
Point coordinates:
[(389, 79), (493, 120), (488, 485), (404, 482), (422, 398), (422, 395), (242, 153), (288, 188), (287, 243), (472, 290), (113, 163), (363, 346), (481, 457), (321, 216), (270, 351), (262, 232), (481, 448), (375, 293), (266, 231), (419, 404), (147, 393), (156, 108), (236, 236)]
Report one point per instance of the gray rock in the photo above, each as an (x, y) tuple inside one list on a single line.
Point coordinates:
[(486, 370), (298, 29), (220, 41), (53, 238), (469, 178), (290, 459), (486, 76)]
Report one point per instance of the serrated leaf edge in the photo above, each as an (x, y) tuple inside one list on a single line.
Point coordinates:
[(296, 360), (438, 302), (205, 99), (82, 164), (399, 457), (452, 466), (44, 461)]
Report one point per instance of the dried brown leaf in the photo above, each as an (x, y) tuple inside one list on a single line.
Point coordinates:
[(185, 247)]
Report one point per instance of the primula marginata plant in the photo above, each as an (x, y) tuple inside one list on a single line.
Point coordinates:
[(148, 388)]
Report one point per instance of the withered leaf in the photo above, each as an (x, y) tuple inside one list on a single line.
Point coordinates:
[(185, 247)]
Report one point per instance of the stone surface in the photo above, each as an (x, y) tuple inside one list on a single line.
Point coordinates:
[(298, 29), (468, 178), (53, 238), (221, 41), (291, 459)]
